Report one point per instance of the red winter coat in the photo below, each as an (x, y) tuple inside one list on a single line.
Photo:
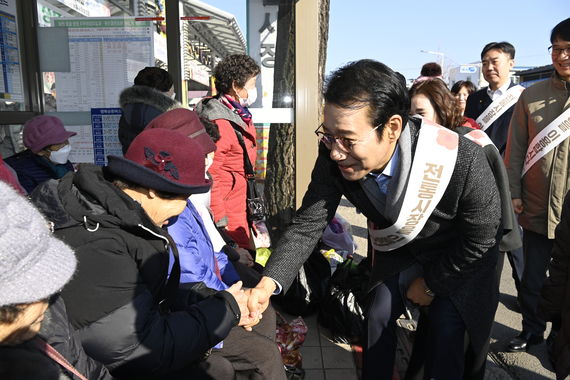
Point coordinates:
[(228, 200)]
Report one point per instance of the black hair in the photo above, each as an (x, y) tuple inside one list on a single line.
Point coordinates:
[(561, 31), (9, 313), (372, 85), (236, 67), (211, 128), (431, 69), (504, 46), (463, 83), (154, 77)]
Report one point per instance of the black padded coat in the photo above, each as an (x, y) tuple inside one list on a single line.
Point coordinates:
[(112, 300)]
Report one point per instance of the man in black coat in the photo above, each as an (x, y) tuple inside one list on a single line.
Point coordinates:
[(498, 61), (368, 146)]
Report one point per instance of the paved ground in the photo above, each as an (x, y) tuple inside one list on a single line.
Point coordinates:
[(533, 365)]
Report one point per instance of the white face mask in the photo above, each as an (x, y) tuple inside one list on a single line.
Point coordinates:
[(209, 162), (251, 97), (60, 156), (173, 95)]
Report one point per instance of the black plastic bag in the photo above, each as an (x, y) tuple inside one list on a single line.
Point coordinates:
[(309, 287), (342, 310)]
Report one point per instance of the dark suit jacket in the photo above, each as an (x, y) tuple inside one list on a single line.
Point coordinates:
[(499, 130), (457, 247), (511, 236)]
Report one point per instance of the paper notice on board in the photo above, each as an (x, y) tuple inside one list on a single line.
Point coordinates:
[(81, 144), (106, 55), (93, 143), (11, 83)]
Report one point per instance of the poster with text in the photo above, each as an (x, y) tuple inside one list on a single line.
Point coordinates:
[(11, 83), (105, 122), (106, 55)]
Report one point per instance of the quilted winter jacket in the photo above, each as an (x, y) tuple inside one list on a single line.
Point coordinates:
[(112, 300), (230, 185), (59, 334), (32, 169), (197, 253)]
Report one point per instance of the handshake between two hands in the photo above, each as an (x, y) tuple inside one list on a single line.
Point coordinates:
[(252, 302)]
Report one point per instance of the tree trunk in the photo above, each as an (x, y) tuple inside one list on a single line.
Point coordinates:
[(280, 178)]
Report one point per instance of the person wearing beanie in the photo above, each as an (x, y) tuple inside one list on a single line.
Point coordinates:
[(151, 95), (34, 266), (204, 259), (127, 313), (45, 158)]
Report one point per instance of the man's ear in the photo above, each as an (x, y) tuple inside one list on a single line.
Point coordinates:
[(393, 128)]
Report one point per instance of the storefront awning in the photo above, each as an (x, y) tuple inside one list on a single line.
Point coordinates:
[(220, 33)]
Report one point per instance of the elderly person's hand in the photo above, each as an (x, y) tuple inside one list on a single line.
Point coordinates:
[(248, 320), (245, 257)]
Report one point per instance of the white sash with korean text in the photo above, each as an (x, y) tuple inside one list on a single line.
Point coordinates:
[(479, 137), (547, 139), (434, 161), (499, 106)]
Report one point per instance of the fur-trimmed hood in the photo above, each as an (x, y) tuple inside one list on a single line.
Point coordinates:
[(149, 96), (140, 105)]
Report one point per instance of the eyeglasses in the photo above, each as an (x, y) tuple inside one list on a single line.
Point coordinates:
[(557, 51), (344, 144)]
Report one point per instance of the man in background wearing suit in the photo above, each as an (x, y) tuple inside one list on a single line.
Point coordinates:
[(498, 59), (485, 105)]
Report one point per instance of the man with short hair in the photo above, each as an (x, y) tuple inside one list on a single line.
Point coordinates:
[(433, 232), (537, 166), (492, 107), (498, 59)]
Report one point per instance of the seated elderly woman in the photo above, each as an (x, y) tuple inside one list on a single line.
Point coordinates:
[(46, 157), (200, 261), (33, 319), (125, 311)]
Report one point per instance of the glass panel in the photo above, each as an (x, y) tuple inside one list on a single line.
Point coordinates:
[(106, 44), (12, 94)]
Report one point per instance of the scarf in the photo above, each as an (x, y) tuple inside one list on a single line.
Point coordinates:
[(236, 108)]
